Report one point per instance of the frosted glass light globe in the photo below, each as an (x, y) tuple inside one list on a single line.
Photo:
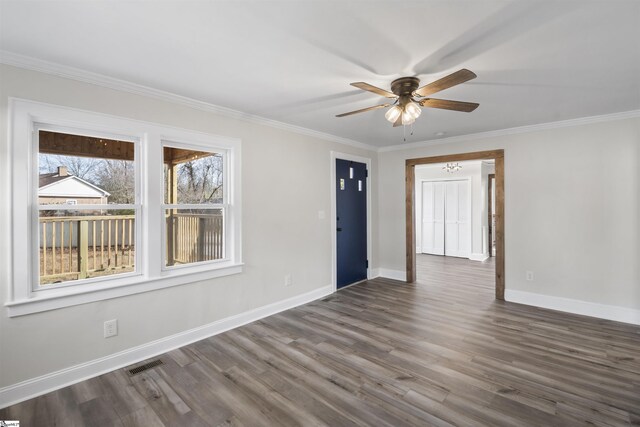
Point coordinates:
[(393, 113), (413, 109), (407, 119)]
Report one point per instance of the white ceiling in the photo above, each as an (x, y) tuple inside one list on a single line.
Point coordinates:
[(536, 61)]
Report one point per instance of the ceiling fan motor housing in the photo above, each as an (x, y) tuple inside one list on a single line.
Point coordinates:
[(404, 86)]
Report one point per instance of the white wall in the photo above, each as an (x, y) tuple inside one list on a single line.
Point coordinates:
[(470, 170), (572, 209), (285, 182)]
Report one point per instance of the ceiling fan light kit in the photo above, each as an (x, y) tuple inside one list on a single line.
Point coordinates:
[(409, 97), (393, 113)]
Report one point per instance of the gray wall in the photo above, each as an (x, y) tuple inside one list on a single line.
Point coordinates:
[(285, 182), (572, 209)]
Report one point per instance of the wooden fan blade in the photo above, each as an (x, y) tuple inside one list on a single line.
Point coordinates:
[(376, 90), (445, 104), (453, 79), (398, 121), (375, 107)]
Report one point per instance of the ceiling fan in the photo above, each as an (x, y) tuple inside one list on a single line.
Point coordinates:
[(409, 97)]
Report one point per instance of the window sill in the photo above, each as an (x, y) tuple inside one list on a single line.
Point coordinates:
[(66, 297)]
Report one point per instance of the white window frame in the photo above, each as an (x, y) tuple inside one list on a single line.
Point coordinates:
[(37, 208), (24, 296), (224, 206)]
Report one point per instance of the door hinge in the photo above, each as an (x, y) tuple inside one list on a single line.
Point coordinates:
[(367, 263), (366, 173)]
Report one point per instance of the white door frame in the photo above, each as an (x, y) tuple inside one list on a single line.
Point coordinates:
[(335, 155), (470, 181)]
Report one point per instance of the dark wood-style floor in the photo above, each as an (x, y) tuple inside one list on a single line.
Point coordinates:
[(381, 353)]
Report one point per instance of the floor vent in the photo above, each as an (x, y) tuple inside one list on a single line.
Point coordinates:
[(146, 366)]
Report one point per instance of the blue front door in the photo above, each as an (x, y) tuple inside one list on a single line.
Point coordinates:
[(351, 210)]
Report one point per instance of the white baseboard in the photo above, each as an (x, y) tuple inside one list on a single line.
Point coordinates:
[(479, 257), (393, 274), (601, 311), (373, 273), (37, 386)]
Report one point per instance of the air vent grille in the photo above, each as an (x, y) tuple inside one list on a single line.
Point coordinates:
[(146, 366)]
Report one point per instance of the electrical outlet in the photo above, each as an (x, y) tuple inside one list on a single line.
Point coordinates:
[(288, 280), (111, 328), (529, 275)]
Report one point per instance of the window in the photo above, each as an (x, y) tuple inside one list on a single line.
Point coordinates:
[(104, 206), (96, 237), (194, 205)]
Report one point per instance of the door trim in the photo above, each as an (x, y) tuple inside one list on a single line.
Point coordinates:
[(410, 177), (335, 155)]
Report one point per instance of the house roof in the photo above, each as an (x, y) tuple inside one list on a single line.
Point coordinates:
[(49, 179)]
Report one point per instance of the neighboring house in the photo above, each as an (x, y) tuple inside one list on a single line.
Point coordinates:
[(62, 188)]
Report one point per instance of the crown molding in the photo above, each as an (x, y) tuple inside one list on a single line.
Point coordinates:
[(515, 130), (52, 68)]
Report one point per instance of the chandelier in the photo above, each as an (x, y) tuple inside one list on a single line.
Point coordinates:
[(452, 167)]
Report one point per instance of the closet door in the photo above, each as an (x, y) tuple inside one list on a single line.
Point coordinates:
[(433, 200), (457, 219)]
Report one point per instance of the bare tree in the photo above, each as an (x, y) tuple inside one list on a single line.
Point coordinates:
[(118, 178), (82, 167), (200, 180)]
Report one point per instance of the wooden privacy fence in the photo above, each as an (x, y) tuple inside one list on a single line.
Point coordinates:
[(77, 247), (194, 237)]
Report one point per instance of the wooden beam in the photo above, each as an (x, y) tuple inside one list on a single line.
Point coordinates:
[(500, 253), (172, 194), (84, 146), (477, 155), (174, 156), (410, 173)]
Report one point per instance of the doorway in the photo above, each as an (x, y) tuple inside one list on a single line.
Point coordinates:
[(498, 229)]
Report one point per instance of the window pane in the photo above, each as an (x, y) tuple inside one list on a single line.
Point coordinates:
[(85, 244), (77, 244), (192, 177), (194, 235), (85, 169)]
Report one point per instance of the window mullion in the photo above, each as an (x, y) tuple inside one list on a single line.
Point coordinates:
[(152, 195)]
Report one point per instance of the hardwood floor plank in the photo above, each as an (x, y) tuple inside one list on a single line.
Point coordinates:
[(439, 352), (142, 417)]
